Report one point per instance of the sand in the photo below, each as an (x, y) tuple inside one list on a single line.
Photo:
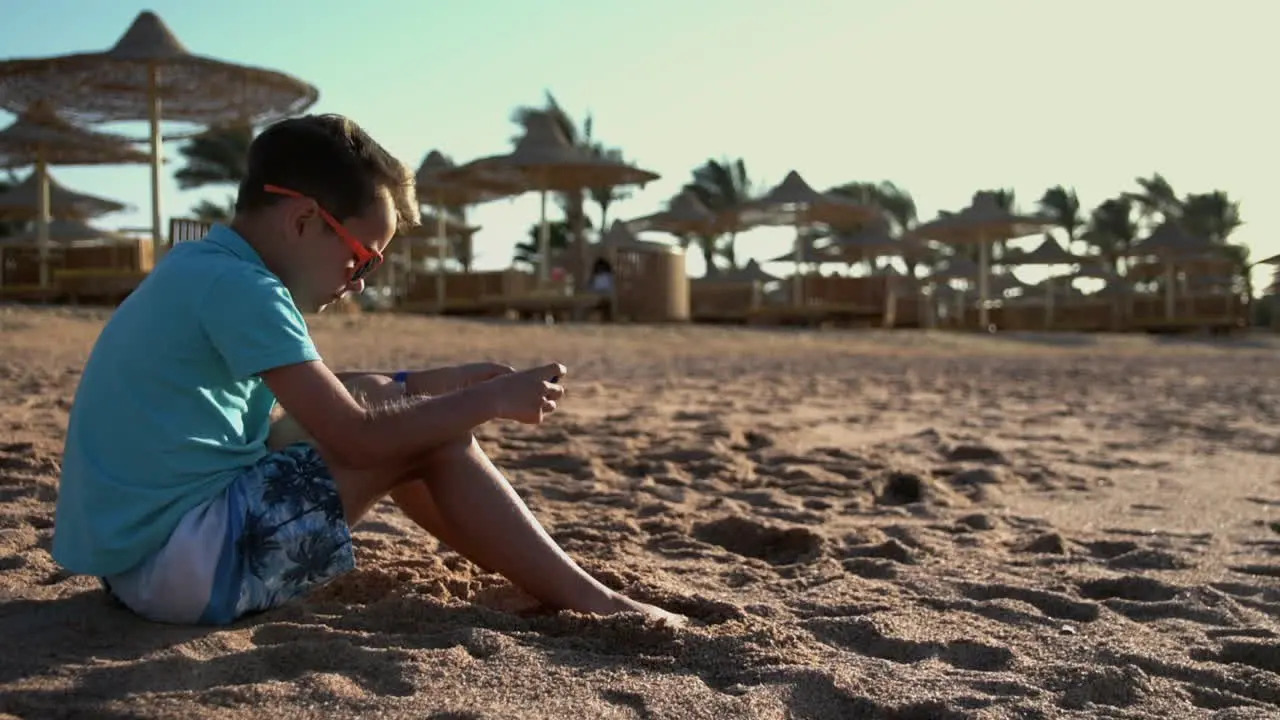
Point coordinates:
[(871, 525)]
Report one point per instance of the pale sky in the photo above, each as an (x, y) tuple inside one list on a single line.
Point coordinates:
[(943, 98)]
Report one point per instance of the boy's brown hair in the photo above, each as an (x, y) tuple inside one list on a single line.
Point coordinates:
[(330, 159)]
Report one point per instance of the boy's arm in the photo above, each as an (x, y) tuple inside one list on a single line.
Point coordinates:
[(361, 438), (432, 381), (441, 380), (252, 322)]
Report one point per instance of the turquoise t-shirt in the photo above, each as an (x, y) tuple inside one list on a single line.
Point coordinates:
[(170, 408)]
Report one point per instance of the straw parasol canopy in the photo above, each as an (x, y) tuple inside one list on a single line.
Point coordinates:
[(547, 162), (749, 273), (22, 202), (478, 187), (440, 193), (39, 137), (685, 215), (146, 70), (794, 202), (797, 203), (1049, 252), (620, 236), (808, 250), (957, 267), (39, 134), (981, 223), (1171, 241), (868, 242)]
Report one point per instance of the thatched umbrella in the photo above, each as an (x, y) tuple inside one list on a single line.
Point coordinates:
[(620, 236), (40, 138), (1169, 243), (439, 193), (981, 223), (751, 272), (685, 215), (808, 249), (1047, 254), (871, 241), (794, 202), (23, 202), (147, 73), (546, 162)]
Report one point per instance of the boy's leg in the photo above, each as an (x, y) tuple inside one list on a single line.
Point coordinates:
[(456, 494)]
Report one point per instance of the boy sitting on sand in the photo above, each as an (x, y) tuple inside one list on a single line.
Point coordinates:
[(171, 492)]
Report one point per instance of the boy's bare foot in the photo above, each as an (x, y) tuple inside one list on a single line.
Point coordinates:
[(653, 612)]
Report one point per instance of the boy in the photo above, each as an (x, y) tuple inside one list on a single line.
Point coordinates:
[(169, 491)]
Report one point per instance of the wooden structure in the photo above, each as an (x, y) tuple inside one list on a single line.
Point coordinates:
[(868, 301), (650, 283), (715, 300), (90, 273), (649, 286), (184, 229)]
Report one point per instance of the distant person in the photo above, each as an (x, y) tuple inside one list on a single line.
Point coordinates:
[(601, 283), (601, 280), (179, 492)]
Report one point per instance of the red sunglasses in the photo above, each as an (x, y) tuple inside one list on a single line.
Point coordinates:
[(367, 259)]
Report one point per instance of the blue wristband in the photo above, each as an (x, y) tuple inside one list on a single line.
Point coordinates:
[(401, 378)]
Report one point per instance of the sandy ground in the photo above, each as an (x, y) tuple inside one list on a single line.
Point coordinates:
[(874, 525)]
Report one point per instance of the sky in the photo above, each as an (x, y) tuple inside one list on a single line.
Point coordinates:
[(942, 97)]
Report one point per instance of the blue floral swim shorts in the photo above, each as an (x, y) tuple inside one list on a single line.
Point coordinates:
[(277, 532)]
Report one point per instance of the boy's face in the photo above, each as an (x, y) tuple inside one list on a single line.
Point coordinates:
[(323, 261)]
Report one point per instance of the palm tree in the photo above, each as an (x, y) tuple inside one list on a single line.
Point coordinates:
[(721, 185), (1061, 204), (1005, 198), (217, 156), (897, 205), (1211, 215), (1156, 201), (1214, 215), (210, 211), (1112, 229), (606, 195), (526, 253), (571, 203)]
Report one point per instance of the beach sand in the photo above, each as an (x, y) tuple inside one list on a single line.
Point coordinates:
[(864, 525)]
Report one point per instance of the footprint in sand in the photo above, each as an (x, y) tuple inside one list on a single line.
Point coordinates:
[(755, 539), (860, 635)]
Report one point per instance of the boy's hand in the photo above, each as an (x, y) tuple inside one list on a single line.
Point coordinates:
[(527, 396)]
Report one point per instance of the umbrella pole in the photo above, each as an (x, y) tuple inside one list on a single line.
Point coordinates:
[(544, 244), (442, 238), (984, 270), (797, 288), (153, 93), (43, 219), (1048, 302)]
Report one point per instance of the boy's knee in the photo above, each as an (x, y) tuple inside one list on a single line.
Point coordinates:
[(373, 389)]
